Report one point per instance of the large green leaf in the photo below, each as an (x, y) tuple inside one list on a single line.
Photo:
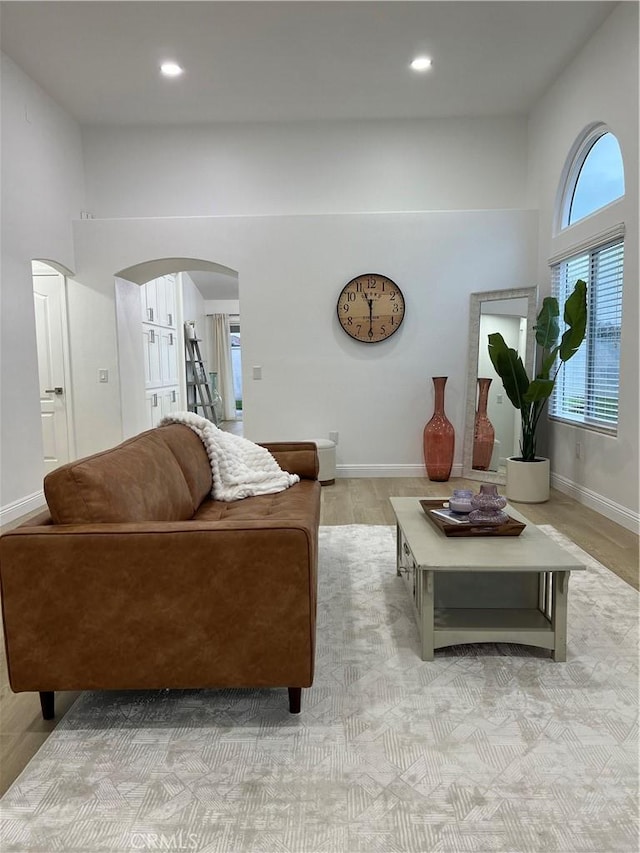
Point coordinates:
[(575, 316), (509, 367), (547, 363), (547, 323), (539, 389)]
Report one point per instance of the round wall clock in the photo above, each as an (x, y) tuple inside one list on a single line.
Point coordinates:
[(371, 308)]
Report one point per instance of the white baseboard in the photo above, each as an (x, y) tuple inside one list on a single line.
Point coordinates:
[(388, 471), (616, 512), (23, 506)]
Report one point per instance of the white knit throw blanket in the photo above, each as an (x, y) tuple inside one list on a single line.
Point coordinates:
[(240, 468)]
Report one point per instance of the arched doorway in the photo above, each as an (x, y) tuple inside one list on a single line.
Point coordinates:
[(206, 295)]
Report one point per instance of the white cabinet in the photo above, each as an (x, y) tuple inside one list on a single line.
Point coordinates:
[(159, 403), (168, 357), (151, 341), (149, 301), (170, 301), (160, 347), (154, 408), (169, 401), (158, 301)]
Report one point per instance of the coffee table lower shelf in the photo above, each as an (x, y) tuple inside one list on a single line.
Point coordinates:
[(544, 626), (453, 626)]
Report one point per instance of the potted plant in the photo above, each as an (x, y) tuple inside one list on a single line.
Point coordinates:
[(528, 474)]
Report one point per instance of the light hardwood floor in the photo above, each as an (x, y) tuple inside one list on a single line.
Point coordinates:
[(348, 501)]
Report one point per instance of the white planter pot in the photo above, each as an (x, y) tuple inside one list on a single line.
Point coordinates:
[(528, 482)]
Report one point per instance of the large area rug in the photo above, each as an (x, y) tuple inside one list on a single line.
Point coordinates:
[(488, 748)]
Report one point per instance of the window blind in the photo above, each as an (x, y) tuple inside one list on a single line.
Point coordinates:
[(588, 384)]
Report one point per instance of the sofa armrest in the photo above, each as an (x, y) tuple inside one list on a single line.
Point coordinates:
[(149, 605), (296, 457)]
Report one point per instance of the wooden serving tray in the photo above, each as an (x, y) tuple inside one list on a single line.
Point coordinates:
[(451, 528)]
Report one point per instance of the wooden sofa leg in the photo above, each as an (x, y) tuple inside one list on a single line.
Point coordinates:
[(47, 703), (295, 699)]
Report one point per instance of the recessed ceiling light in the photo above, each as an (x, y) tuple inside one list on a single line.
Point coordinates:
[(421, 63), (171, 69)]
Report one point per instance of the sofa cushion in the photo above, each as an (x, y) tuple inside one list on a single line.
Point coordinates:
[(140, 480), (298, 504), (192, 458)]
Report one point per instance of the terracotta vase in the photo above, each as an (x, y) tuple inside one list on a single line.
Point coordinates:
[(483, 431), (439, 437)]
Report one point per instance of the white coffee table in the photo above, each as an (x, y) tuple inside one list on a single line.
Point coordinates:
[(494, 589)]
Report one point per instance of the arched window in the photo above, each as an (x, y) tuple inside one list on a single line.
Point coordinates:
[(587, 389), (595, 177)]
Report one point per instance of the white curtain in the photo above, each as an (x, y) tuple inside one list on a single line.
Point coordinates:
[(220, 359)]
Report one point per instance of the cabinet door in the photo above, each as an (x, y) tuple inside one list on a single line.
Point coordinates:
[(161, 300), (170, 301), (150, 302), (152, 362), (158, 301), (153, 401), (168, 357), (169, 400)]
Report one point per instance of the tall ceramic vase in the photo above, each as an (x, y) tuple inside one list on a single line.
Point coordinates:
[(483, 431), (439, 437)]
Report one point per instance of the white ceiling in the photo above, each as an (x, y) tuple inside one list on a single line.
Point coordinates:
[(216, 285), (290, 61)]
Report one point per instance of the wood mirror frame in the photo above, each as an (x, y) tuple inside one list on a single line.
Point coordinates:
[(477, 300)]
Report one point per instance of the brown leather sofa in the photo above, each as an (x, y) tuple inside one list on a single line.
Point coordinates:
[(137, 579)]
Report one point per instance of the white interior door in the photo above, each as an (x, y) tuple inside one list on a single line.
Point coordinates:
[(48, 296)]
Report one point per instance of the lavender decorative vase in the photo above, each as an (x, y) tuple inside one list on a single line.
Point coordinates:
[(460, 501), (487, 506)]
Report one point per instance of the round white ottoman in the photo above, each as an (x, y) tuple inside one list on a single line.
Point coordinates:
[(327, 459)]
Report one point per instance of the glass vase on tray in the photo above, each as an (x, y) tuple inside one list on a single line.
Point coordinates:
[(460, 501), (487, 506)]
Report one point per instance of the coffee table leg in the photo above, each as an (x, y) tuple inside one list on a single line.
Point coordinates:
[(559, 615), (426, 615)]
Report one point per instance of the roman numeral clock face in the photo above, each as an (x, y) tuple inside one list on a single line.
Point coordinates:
[(371, 308)]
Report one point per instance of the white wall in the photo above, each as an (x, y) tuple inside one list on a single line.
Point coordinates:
[(131, 357), (277, 170), (222, 306), (94, 346), (444, 164), (601, 84), (42, 191), (292, 268), (193, 306)]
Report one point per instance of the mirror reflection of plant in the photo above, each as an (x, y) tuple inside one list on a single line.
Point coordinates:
[(530, 396)]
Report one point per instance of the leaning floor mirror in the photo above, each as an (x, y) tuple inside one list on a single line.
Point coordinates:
[(513, 313)]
